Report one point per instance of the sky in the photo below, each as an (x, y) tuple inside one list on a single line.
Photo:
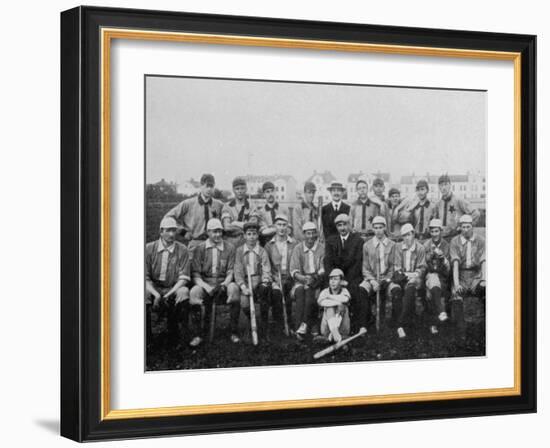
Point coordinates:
[(238, 127)]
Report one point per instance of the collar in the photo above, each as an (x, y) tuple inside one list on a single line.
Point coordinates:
[(336, 204), (465, 240), (384, 241), (161, 247), (233, 203), (313, 248), (202, 201), (209, 244), (438, 244), (275, 206), (360, 202), (345, 237), (255, 249), (412, 248), (288, 240), (449, 197), (306, 205)]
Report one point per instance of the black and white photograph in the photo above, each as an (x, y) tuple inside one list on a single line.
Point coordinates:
[(293, 223)]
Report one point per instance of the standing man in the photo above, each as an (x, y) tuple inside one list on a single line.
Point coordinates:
[(167, 272), (378, 268), (268, 212), (194, 213), (279, 249), (467, 252), (307, 269), (437, 275), (212, 271), (345, 251), (395, 216), (421, 211), (378, 188), (252, 258), (330, 211), (450, 208), (364, 210), (410, 267), (236, 212), (307, 211)]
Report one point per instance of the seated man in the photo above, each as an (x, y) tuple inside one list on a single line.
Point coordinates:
[(437, 274), (279, 249), (166, 277), (378, 266), (252, 259), (467, 252), (410, 267), (212, 271), (334, 301), (306, 267)]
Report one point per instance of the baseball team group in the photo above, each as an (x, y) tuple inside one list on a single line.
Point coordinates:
[(316, 272)]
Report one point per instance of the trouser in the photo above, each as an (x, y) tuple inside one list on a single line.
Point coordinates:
[(277, 299), (306, 306), (470, 280), (201, 307), (341, 312), (175, 313), (385, 291), (403, 302), (436, 285)]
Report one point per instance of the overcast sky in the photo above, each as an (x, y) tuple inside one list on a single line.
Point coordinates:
[(232, 127)]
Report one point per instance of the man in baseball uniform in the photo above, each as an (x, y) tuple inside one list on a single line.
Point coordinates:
[(307, 211)]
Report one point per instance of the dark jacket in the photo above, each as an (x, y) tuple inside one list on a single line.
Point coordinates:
[(348, 258), (328, 215)]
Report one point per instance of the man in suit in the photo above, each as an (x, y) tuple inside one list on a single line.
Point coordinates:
[(345, 251), (330, 211)]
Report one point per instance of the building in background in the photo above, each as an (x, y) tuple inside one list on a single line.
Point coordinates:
[(322, 182), (285, 186), (189, 187)]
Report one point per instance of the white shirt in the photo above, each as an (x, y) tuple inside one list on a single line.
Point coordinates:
[(166, 251)]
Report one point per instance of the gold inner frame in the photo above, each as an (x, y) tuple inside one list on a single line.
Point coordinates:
[(107, 35)]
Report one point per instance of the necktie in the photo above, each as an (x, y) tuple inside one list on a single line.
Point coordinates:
[(364, 216), (206, 215), (240, 218), (445, 206), (273, 215), (214, 261), (421, 221)]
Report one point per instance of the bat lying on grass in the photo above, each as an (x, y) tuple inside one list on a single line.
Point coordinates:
[(338, 345)]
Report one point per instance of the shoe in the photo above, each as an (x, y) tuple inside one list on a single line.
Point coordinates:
[(315, 330), (434, 330), (401, 333), (235, 339), (302, 329), (443, 316), (195, 342)]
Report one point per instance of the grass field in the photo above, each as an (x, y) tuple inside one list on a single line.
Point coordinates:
[(167, 353)]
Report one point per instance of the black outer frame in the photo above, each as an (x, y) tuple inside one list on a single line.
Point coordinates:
[(80, 223)]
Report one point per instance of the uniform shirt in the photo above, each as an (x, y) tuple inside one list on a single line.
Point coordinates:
[(469, 253), (362, 214), (254, 260), (430, 246), (421, 215), (327, 298), (165, 266), (279, 255), (307, 261), (267, 214), (213, 261), (395, 218), (411, 259), (236, 213), (194, 213), (450, 210), (378, 256), (300, 215)]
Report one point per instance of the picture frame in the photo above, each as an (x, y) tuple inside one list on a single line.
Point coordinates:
[(86, 176)]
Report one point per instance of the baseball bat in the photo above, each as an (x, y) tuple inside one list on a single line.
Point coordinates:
[(253, 324), (213, 318), (338, 345), (319, 217), (378, 298), (285, 316)]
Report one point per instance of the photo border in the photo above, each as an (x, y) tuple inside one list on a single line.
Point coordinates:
[(86, 37)]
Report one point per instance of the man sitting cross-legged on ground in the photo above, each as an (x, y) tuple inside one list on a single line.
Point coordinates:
[(410, 267), (334, 301), (306, 267), (166, 277), (212, 271), (252, 259)]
